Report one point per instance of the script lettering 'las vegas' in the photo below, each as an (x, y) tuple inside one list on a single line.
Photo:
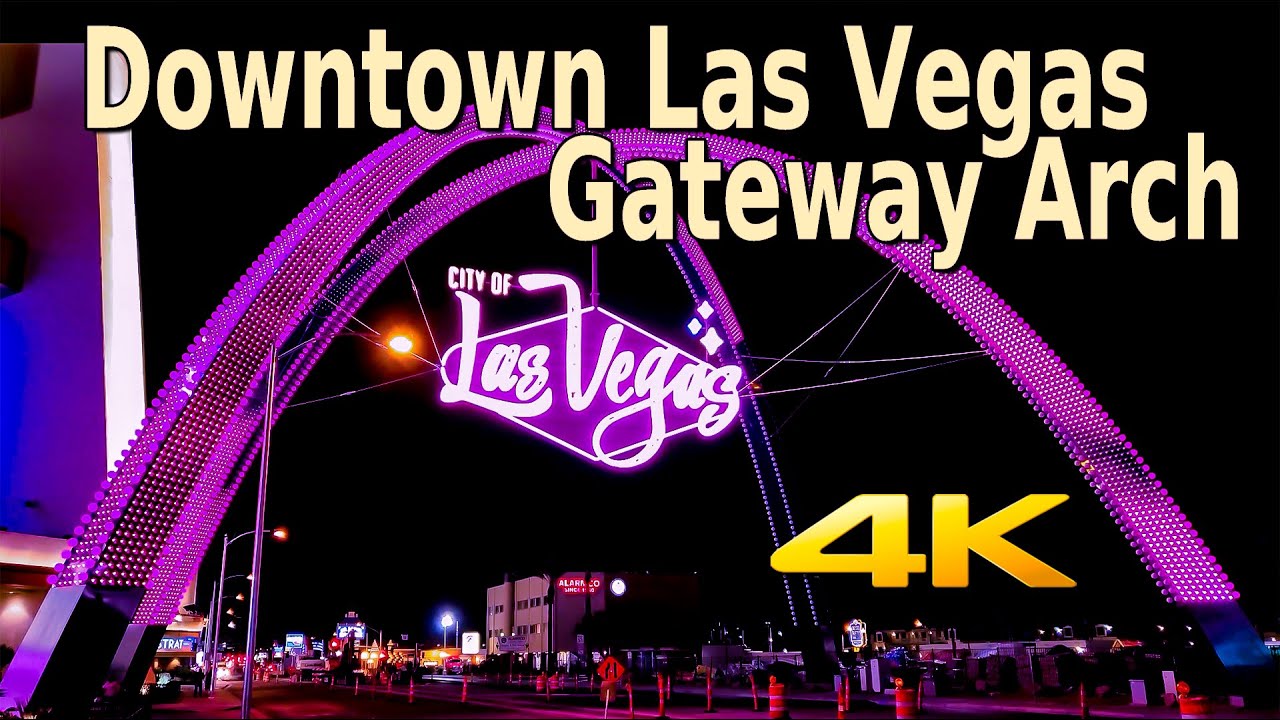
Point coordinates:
[(630, 374)]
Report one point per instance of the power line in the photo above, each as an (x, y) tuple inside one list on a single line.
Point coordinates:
[(858, 380), (362, 388), (847, 345), (872, 360), (825, 326), (421, 309)]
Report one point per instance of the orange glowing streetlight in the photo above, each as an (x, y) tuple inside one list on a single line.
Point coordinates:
[(401, 344)]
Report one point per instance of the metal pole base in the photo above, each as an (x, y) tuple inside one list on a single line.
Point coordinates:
[(134, 656), (67, 652)]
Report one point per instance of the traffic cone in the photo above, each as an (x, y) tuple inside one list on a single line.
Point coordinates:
[(410, 689), (777, 699), (631, 701), (662, 698), (464, 689), (709, 708), (755, 696), (357, 692), (1084, 702)]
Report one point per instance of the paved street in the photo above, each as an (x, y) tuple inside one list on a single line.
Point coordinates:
[(443, 700)]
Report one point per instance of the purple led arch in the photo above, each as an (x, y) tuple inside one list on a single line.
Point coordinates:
[(156, 513)]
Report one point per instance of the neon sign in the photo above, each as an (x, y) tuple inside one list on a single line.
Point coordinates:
[(578, 586), (587, 379)]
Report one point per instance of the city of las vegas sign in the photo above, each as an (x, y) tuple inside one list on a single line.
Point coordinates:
[(586, 379)]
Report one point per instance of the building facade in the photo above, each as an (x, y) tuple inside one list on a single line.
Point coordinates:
[(578, 616), (518, 608)]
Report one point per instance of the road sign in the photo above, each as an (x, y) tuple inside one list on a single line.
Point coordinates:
[(513, 643), (611, 669), (404, 637)]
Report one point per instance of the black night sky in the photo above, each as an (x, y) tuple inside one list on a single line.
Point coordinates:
[(400, 508)]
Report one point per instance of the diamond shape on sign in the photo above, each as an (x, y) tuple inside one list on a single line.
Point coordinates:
[(611, 669), (711, 341), (694, 326), (705, 310)]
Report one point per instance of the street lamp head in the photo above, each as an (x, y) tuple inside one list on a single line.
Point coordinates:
[(447, 620), (240, 596), (280, 533), (401, 344), (249, 577)]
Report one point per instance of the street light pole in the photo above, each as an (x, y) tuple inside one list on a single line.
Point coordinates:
[(217, 618), (259, 524), (211, 667)]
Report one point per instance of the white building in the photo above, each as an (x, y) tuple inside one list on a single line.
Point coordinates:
[(517, 608)]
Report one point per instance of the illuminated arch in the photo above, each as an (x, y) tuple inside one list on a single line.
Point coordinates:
[(155, 515)]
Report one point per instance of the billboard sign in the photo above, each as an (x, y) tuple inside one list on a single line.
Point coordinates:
[(177, 644), (470, 643), (513, 643), (356, 632)]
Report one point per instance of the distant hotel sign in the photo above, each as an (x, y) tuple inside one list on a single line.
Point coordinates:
[(857, 634), (577, 585), (350, 631), (177, 644), (585, 378)]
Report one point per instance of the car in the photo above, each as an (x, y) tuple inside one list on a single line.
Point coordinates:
[(454, 665)]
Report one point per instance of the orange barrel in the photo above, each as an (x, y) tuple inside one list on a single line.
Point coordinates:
[(777, 698), (848, 699), (1193, 706), (541, 683), (905, 699)]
